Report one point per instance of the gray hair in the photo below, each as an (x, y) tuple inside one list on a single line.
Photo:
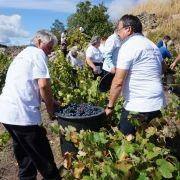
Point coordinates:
[(45, 36), (95, 40)]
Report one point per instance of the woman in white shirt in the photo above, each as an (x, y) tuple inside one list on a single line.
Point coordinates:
[(94, 57)]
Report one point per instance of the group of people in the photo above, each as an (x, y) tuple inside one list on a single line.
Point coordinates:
[(135, 61), (102, 56)]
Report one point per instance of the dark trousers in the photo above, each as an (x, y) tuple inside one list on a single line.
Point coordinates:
[(126, 127), (97, 75), (32, 151)]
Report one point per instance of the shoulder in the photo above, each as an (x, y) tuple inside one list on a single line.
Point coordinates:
[(139, 43), (89, 50), (113, 37)]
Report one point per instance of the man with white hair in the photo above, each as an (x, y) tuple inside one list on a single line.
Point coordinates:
[(27, 83)]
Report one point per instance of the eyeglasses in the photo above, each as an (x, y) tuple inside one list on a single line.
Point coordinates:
[(122, 28)]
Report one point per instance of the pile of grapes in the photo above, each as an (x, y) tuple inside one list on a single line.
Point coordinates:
[(82, 110)]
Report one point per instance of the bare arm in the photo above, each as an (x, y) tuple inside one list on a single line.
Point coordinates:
[(91, 64), (46, 94), (173, 65), (116, 88)]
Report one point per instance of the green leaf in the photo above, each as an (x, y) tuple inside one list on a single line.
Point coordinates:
[(150, 155), (98, 154), (100, 138), (150, 131), (129, 148), (165, 167), (143, 176)]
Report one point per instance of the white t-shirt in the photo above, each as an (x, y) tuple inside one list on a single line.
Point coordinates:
[(102, 48), (111, 50), (20, 99), (94, 54), (142, 89)]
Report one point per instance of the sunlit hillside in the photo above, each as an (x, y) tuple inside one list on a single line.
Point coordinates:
[(168, 19)]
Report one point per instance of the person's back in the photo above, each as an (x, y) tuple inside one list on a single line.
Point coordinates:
[(165, 52), (21, 88), (163, 42), (143, 82), (111, 50)]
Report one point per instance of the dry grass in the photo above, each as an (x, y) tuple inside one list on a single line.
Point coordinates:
[(168, 14), (162, 8)]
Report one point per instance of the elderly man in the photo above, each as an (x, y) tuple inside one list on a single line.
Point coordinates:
[(138, 75), (27, 82)]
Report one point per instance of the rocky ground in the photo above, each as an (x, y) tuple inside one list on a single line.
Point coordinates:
[(8, 165)]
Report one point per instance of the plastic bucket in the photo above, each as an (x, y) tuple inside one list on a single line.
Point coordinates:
[(93, 123)]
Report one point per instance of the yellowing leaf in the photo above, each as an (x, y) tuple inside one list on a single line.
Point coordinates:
[(74, 137), (129, 137), (81, 153), (78, 170), (67, 160)]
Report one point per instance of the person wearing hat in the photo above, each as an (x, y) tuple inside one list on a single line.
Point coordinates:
[(94, 57)]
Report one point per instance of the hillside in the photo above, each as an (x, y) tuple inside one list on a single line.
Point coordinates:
[(166, 18)]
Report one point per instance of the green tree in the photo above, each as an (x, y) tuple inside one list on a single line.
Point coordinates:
[(94, 19), (57, 28)]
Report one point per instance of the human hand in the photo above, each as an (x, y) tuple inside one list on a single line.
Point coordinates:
[(113, 70), (172, 66), (95, 70), (108, 112)]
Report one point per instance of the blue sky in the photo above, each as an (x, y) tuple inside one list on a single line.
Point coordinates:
[(20, 19)]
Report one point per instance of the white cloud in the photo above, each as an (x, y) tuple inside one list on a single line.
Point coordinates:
[(68, 6), (119, 7), (10, 27)]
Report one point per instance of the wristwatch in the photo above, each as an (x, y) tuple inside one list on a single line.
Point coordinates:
[(108, 107)]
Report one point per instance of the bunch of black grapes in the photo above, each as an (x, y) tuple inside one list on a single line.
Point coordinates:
[(79, 110)]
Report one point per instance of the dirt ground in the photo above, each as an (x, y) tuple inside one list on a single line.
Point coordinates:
[(8, 164)]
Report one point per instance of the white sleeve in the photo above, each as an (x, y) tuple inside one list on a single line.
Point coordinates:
[(89, 53), (125, 57), (39, 65)]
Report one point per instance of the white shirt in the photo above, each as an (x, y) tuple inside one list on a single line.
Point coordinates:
[(20, 99), (94, 54), (142, 89), (63, 37), (75, 62), (111, 50), (102, 48)]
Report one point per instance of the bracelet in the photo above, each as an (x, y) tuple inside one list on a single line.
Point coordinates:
[(108, 107)]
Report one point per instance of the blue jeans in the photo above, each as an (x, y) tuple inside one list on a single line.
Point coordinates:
[(126, 127)]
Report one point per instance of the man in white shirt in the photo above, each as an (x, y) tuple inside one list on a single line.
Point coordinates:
[(111, 50), (27, 83), (138, 75)]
